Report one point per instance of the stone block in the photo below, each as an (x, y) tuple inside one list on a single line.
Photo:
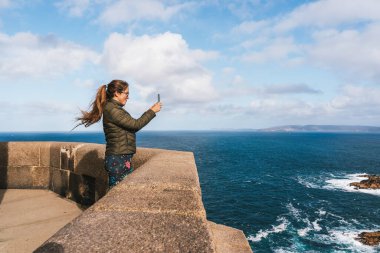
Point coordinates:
[(3, 177), (59, 181), (143, 155), (152, 199), (45, 154), (169, 168), (52, 155), (132, 232), (101, 187), (19, 177), (3, 154), (67, 159), (40, 177), (228, 239), (54, 152), (23, 154), (89, 160), (81, 189)]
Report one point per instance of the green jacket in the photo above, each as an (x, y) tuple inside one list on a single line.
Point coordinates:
[(120, 128)]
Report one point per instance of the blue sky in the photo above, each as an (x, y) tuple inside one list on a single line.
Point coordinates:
[(217, 64)]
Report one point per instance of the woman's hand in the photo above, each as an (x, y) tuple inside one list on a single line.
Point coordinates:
[(156, 107)]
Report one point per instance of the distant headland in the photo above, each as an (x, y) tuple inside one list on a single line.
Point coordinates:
[(322, 129)]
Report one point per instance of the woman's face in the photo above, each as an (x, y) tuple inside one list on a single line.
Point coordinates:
[(122, 97)]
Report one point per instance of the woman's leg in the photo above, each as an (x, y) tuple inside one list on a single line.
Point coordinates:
[(118, 167)]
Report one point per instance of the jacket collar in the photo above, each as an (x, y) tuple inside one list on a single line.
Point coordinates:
[(114, 101)]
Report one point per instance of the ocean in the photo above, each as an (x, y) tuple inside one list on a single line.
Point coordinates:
[(288, 192)]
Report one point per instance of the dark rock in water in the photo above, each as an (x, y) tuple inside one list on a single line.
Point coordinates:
[(369, 238), (373, 182)]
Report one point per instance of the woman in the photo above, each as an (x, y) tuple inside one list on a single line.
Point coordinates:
[(119, 127)]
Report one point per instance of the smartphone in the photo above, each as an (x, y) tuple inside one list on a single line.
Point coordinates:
[(158, 97)]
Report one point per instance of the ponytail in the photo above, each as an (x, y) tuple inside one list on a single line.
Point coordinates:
[(104, 93), (96, 112)]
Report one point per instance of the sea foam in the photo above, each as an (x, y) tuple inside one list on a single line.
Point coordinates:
[(343, 184), (347, 240), (275, 229)]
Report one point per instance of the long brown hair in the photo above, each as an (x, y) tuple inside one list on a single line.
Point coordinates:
[(104, 93)]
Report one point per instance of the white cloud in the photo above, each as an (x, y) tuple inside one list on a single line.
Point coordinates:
[(357, 99), (358, 105), (283, 108), (352, 52), (46, 115), (75, 8), (320, 14), (248, 8), (88, 83), (237, 80), (251, 26), (33, 108), (274, 91), (30, 55), (279, 48), (354, 105), (5, 4), (337, 35), (124, 11), (162, 63), (228, 70), (290, 89), (327, 13)]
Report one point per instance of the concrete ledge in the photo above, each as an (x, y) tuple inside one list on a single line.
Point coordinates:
[(228, 239), (157, 208), (110, 231)]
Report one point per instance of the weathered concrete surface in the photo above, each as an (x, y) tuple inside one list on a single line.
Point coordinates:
[(113, 231), (229, 239), (157, 208), (30, 217)]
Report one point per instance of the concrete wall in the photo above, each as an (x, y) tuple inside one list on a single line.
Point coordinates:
[(73, 170), (157, 208)]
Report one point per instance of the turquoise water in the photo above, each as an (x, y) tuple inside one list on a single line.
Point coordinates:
[(288, 192)]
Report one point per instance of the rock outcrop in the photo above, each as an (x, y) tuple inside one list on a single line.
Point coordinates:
[(373, 182), (369, 238)]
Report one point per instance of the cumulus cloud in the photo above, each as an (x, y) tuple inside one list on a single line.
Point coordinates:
[(338, 35), (291, 89), (162, 63), (290, 108), (320, 14), (247, 8), (46, 115), (356, 53), (35, 108), (75, 8), (329, 13), (5, 3), (353, 105), (30, 55), (279, 48), (274, 91), (88, 83), (251, 26), (124, 11), (357, 99)]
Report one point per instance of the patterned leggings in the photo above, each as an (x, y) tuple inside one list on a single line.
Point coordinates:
[(118, 167)]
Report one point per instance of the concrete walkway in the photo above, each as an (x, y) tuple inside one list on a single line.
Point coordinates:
[(29, 217)]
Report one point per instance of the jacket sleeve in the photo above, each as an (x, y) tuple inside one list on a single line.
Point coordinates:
[(124, 120)]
